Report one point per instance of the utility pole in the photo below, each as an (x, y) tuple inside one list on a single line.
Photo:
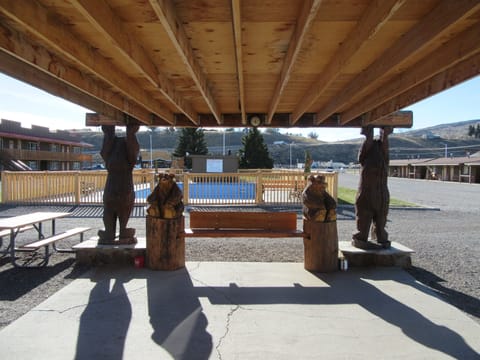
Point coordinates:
[(151, 158), (291, 154), (223, 142)]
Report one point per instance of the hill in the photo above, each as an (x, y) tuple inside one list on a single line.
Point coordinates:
[(451, 131), (421, 143)]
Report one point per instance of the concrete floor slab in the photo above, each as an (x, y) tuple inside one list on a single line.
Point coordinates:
[(219, 310)]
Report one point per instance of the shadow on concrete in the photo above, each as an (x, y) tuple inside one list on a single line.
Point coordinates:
[(351, 290), (21, 281), (176, 315), (462, 301), (104, 322), (174, 310)]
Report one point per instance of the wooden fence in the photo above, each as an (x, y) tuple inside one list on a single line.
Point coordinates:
[(86, 187)]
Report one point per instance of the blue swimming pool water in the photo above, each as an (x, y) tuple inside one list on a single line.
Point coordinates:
[(237, 191)]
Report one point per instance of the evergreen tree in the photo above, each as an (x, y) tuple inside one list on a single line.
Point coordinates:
[(477, 131), (254, 154), (471, 130), (191, 141), (308, 162)]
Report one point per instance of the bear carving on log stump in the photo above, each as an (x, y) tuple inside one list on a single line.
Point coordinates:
[(165, 226), (318, 204), (166, 200), (319, 226)]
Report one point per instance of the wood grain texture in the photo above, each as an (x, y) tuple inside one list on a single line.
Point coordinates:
[(165, 243)]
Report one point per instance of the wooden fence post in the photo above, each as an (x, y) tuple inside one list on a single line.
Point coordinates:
[(259, 188)]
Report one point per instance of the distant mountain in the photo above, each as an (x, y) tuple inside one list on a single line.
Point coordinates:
[(457, 130)]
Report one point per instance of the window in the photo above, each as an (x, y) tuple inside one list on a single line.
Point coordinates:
[(33, 165), (32, 146)]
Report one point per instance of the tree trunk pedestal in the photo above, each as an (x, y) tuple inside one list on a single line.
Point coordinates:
[(165, 243), (320, 246)]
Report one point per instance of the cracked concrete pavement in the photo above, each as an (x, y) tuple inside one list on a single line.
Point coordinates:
[(219, 310)]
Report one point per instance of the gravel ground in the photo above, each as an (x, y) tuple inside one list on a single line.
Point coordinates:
[(446, 258)]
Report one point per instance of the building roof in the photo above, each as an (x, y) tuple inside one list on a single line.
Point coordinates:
[(229, 63), (451, 161), (14, 130), (407, 162)]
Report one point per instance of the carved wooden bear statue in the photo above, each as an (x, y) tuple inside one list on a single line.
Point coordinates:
[(120, 155), (373, 198), (318, 205), (166, 200)]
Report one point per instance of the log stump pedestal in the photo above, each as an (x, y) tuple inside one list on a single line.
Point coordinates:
[(320, 246), (165, 243)]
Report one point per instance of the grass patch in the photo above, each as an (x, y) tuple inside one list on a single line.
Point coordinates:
[(346, 196)]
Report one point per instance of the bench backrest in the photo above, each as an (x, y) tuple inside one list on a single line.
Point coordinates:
[(276, 221)]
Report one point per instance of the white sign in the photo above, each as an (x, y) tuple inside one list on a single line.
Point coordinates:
[(214, 165)]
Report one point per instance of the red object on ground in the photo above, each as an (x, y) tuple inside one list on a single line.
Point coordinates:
[(139, 261)]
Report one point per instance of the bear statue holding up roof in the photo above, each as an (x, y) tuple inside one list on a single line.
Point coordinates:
[(371, 205), (120, 155)]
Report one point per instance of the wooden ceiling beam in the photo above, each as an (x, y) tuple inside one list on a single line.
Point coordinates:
[(375, 16), (433, 25), (165, 12), (57, 36), (452, 52), (237, 34), (305, 20), (54, 76), (403, 119), (105, 21), (460, 72), (22, 71), (120, 119)]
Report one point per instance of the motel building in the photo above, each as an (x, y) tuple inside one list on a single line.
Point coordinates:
[(38, 148)]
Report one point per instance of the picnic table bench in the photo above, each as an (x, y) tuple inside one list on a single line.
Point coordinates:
[(12, 226)]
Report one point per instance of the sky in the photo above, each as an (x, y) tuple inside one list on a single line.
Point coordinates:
[(28, 105)]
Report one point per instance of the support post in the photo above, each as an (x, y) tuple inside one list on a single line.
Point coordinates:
[(320, 246), (165, 243)]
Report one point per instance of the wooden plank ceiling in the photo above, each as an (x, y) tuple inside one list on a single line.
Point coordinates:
[(312, 63)]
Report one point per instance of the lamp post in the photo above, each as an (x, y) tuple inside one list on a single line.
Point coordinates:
[(151, 159), (291, 154), (223, 142)]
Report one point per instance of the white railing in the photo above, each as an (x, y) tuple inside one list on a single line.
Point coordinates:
[(86, 187)]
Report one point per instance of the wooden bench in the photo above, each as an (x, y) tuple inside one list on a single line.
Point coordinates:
[(243, 224), (51, 240)]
